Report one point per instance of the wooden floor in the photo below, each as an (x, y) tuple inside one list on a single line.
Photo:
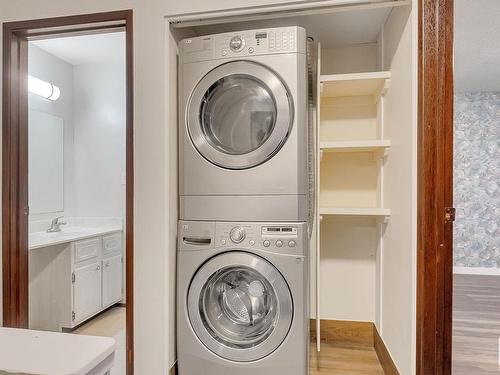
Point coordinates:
[(334, 360), (476, 325), (110, 323)]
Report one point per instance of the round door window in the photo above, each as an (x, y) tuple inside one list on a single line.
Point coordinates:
[(239, 115), (241, 311)]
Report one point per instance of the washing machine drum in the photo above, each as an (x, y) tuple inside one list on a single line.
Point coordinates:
[(239, 115), (240, 306)]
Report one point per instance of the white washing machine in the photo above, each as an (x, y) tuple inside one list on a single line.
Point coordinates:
[(242, 298), (243, 134)]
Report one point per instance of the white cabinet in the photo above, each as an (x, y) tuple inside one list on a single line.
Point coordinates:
[(112, 286), (71, 282), (87, 292)]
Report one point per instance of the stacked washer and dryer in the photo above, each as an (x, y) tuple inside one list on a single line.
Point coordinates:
[(242, 293)]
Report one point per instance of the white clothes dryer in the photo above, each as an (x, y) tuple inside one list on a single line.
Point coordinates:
[(243, 138)]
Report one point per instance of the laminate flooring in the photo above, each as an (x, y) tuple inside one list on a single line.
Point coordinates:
[(110, 323), (476, 325), (334, 360)]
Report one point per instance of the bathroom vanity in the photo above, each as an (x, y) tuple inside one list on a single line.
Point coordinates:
[(74, 274)]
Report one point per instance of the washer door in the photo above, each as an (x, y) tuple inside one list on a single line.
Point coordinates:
[(239, 115), (240, 306)]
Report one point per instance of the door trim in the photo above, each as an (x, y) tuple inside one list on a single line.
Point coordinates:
[(15, 161), (435, 187)]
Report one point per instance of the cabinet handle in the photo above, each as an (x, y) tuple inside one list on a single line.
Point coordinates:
[(107, 264), (98, 268)]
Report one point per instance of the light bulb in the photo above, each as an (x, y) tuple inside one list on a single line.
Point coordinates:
[(44, 89)]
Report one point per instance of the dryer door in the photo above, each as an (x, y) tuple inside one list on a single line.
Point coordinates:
[(240, 306), (239, 115)]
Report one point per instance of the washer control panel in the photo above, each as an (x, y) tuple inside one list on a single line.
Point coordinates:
[(284, 238), (244, 43), (237, 234)]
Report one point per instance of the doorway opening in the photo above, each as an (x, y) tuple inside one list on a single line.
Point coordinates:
[(476, 195), (68, 177)]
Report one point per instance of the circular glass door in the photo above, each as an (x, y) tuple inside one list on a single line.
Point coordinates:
[(239, 115), (240, 306)]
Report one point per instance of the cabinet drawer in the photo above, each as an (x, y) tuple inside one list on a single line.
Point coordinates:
[(87, 249), (112, 243)]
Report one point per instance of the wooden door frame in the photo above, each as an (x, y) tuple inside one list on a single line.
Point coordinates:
[(15, 163), (435, 187)]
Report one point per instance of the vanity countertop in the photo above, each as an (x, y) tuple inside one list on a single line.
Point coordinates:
[(38, 352), (43, 239)]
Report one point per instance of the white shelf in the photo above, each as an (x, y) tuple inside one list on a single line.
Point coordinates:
[(375, 145), (383, 213), (354, 84)]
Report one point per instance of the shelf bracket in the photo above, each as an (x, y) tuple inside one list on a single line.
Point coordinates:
[(380, 153), (383, 219), (382, 90)]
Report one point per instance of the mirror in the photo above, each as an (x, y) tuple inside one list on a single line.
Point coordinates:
[(46, 163)]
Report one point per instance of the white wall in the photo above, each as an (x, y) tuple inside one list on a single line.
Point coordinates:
[(353, 59), (49, 68), (151, 155), (398, 259), (99, 121)]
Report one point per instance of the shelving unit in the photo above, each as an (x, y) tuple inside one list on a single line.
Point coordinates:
[(355, 84), (381, 214), (351, 155), (377, 146)]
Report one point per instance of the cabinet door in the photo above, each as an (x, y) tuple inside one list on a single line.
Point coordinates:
[(87, 291), (112, 280)]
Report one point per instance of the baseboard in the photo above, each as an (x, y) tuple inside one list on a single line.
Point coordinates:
[(348, 334), (173, 369), (383, 355), (476, 271)]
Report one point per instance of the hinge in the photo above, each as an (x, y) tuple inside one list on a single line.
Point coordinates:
[(73, 277), (449, 214), (73, 316), (26, 210)]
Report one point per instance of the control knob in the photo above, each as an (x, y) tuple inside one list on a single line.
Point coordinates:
[(237, 234), (236, 43)]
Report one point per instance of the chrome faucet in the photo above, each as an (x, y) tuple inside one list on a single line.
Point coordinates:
[(55, 226)]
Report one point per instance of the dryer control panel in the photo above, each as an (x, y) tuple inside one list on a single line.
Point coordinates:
[(244, 43)]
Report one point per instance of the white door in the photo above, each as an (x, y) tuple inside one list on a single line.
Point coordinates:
[(112, 280), (87, 291)]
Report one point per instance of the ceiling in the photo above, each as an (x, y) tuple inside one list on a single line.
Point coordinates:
[(477, 45), (87, 49)]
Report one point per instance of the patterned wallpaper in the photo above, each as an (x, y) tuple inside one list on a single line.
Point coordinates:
[(477, 180)]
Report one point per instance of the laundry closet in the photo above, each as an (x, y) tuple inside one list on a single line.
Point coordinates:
[(363, 89)]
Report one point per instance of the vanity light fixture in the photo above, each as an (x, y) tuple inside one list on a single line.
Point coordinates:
[(44, 89)]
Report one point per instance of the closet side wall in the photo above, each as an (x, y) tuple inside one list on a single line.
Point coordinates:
[(397, 259)]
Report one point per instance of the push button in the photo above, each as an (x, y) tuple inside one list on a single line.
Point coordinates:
[(292, 243), (279, 243), (266, 243)]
